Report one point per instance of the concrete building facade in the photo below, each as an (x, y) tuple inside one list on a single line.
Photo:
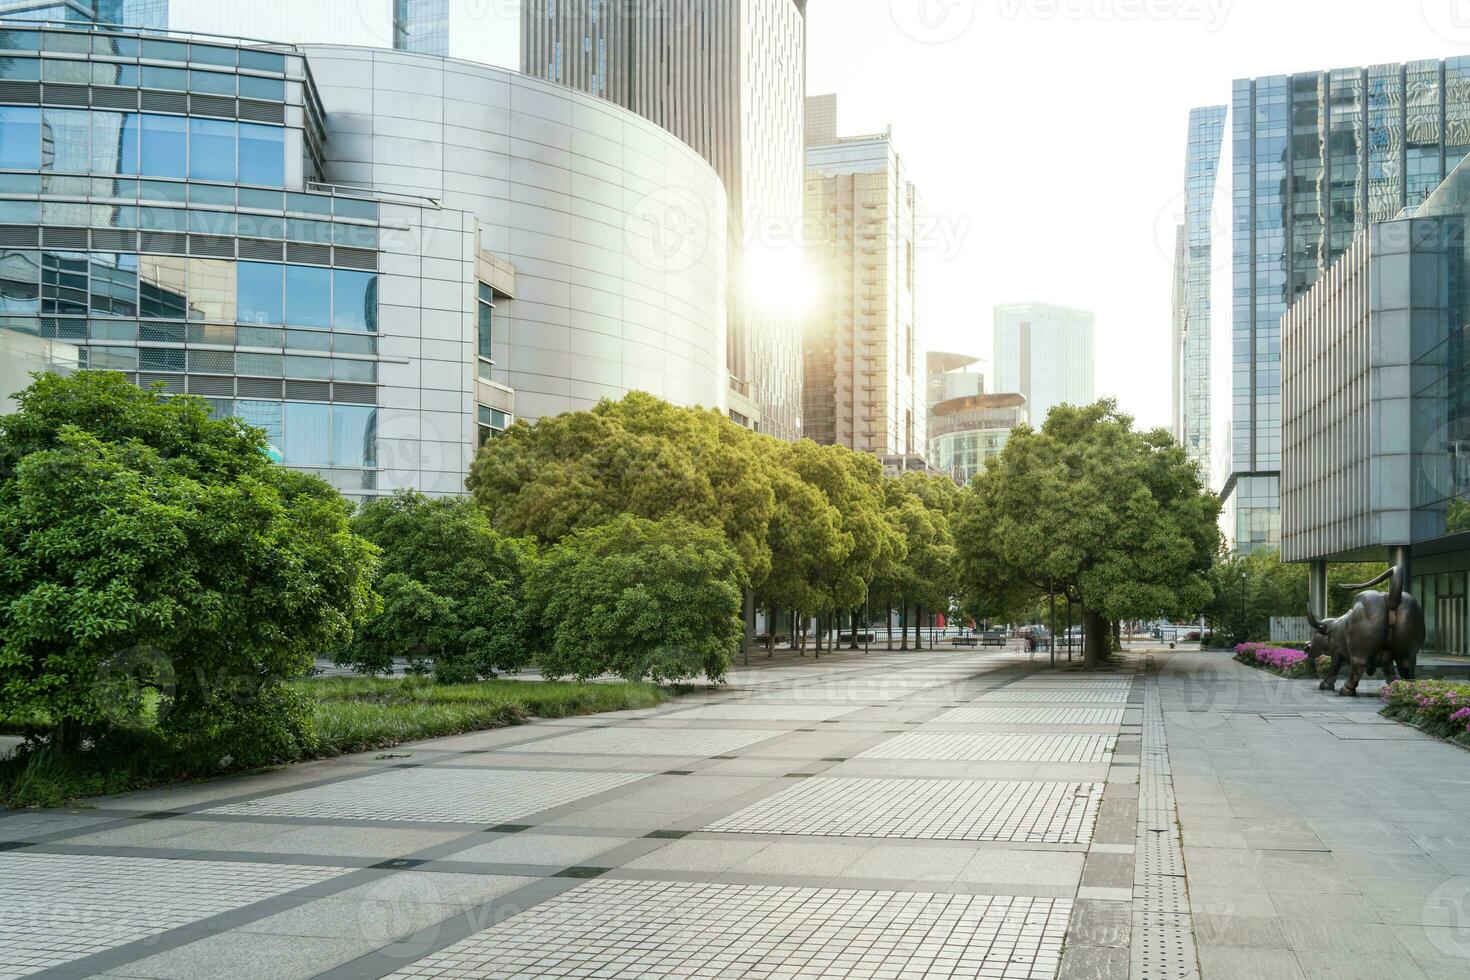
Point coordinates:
[(728, 77), (864, 359), (1044, 352)]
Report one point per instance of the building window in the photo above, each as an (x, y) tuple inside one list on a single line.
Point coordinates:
[(164, 146), (114, 284), (20, 138), (485, 325), (308, 296), (20, 281), (259, 292), (64, 283), (308, 434), (212, 290), (354, 300), (66, 140), (262, 155), (163, 287), (492, 423), (211, 150)]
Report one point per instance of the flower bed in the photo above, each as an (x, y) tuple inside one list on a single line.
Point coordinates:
[(1440, 708), (1278, 660)]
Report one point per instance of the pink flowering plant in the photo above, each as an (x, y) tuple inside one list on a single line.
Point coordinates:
[(1278, 660), (1439, 707)]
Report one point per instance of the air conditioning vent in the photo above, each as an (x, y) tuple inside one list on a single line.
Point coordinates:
[(212, 105), (355, 258), (259, 388), (212, 245), (308, 254), (165, 102), (172, 383), (355, 394), (22, 92), (251, 248), (64, 238), (308, 391), (212, 387), (163, 242), (111, 240), (115, 98), (54, 94), (268, 112), (20, 235)]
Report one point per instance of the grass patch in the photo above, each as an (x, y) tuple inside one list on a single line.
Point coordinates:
[(349, 714)]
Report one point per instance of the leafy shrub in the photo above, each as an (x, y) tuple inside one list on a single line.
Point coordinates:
[(639, 598), (452, 591), (1441, 708), (1278, 660), (1323, 664)]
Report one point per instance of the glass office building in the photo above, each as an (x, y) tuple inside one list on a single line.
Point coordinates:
[(1194, 263), (1044, 352), (1315, 157)]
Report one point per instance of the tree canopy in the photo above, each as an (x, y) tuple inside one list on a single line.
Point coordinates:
[(1113, 519), (452, 590), (147, 548)]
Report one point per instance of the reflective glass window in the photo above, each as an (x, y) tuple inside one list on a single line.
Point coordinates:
[(212, 289), (308, 296), (207, 194), (310, 368), (172, 79), (64, 283), (262, 155), (166, 50), (258, 337), (303, 230), (258, 365), (212, 222), (20, 138), (211, 362), (306, 339), (257, 60), (20, 69), (113, 358), (114, 284), (20, 212), (356, 236), (212, 149), (168, 333), (351, 343), (259, 292), (485, 323), (163, 286), (351, 207), (69, 42), (354, 435), (261, 226), (211, 54), (160, 359), (354, 300), (159, 190), (161, 219), (164, 146), (308, 434), (66, 140), (108, 73), (309, 203), (255, 87), (211, 82), (69, 72), (20, 281), (114, 142), (267, 416), (364, 372), (260, 200), (126, 47)]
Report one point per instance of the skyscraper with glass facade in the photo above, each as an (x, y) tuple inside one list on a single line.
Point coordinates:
[(1044, 352), (728, 77), (1315, 157), (1194, 262)]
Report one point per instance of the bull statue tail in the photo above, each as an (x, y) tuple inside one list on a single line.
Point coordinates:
[(1395, 577)]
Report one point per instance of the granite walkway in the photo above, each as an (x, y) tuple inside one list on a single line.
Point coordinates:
[(888, 815)]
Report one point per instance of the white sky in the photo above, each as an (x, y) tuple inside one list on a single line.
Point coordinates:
[(1051, 134)]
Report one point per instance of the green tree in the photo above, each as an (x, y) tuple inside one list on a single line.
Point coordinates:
[(1115, 520), (639, 598), (1252, 589), (148, 553), (452, 589)]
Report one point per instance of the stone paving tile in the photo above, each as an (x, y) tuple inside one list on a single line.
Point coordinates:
[(635, 928), (437, 795), (648, 741), (978, 747), (1001, 714), (1057, 695), (745, 711), (61, 907), (925, 808)]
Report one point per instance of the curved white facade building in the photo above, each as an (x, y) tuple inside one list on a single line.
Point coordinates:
[(616, 229)]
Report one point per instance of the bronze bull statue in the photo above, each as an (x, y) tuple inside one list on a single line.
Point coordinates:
[(1383, 631)]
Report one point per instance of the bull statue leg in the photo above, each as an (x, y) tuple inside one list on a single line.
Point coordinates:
[(1329, 683), (1355, 673)]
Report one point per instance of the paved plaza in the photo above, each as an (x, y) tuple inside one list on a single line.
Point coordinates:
[(884, 815)]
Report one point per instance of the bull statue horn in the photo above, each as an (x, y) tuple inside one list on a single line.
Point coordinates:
[(1316, 624)]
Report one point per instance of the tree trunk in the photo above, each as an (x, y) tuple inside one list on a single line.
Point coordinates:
[(890, 625), (773, 614), (69, 736), (749, 616), (1097, 636), (903, 624), (854, 644)]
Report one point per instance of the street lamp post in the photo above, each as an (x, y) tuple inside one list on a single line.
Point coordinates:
[(1244, 613)]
